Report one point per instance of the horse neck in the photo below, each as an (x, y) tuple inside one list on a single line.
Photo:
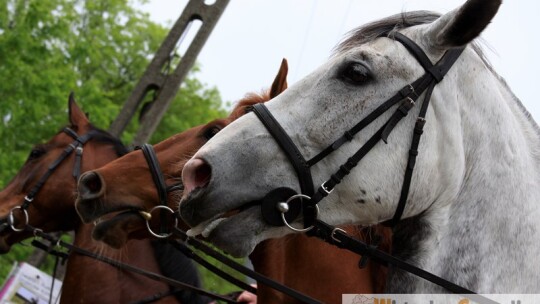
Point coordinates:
[(314, 267), (91, 281), (494, 211)]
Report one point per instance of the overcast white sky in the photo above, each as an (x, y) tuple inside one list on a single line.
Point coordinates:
[(247, 45)]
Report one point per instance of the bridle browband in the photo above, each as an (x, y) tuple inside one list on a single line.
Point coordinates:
[(77, 147), (162, 189), (406, 97)]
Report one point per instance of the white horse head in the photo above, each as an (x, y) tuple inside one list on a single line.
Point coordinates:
[(476, 177)]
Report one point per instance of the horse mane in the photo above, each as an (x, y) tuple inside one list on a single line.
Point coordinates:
[(520, 105), (245, 103), (384, 27)]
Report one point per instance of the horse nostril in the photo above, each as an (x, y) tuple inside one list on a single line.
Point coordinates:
[(91, 185), (202, 175), (196, 174)]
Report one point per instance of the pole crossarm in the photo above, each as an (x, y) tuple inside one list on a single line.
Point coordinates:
[(166, 86)]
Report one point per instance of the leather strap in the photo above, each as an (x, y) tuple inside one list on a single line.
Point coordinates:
[(285, 142), (127, 267), (342, 240), (295, 157), (157, 176), (78, 143), (261, 279)]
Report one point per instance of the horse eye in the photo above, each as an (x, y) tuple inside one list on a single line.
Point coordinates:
[(355, 73), (36, 153), (209, 133)]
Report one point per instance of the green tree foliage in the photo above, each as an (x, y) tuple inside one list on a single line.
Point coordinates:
[(95, 48)]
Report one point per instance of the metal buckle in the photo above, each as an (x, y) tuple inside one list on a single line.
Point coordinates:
[(160, 236), (325, 189), (37, 232), (284, 207), (410, 100), (407, 90), (332, 235), (11, 219)]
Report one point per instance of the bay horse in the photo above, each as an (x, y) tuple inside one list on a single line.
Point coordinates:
[(51, 209), (470, 214), (126, 184)]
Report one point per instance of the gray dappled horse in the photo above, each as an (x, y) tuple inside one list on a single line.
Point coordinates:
[(472, 210)]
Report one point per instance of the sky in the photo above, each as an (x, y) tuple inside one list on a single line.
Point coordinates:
[(246, 47)]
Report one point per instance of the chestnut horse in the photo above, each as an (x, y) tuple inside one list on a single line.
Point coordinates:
[(52, 209), (299, 262)]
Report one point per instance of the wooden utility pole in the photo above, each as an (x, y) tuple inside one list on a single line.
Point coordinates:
[(166, 86)]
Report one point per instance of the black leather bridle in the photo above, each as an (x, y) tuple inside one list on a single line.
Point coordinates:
[(77, 147), (162, 189), (406, 97), (275, 205)]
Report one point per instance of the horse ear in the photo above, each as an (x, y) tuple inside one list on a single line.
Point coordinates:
[(280, 82), (462, 25), (76, 115)]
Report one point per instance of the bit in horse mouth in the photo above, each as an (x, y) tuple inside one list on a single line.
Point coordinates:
[(118, 213), (206, 227)]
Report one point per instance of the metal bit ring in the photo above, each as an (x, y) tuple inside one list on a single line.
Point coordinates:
[(158, 235), (282, 210), (11, 219)]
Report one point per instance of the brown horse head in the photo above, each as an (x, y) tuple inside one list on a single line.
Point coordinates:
[(50, 206), (114, 195)]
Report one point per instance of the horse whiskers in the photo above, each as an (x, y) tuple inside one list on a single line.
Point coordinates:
[(103, 250), (176, 196)]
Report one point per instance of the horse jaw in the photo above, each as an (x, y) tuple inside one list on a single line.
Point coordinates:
[(116, 230)]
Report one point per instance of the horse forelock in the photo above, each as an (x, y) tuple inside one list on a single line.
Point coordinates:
[(388, 25), (249, 100), (384, 27), (391, 24)]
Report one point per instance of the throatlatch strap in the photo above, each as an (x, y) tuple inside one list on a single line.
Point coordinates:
[(411, 162)]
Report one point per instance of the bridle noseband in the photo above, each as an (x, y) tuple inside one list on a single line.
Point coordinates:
[(77, 147), (162, 189), (406, 97)]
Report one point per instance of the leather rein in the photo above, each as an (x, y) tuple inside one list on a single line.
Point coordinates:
[(52, 241)]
